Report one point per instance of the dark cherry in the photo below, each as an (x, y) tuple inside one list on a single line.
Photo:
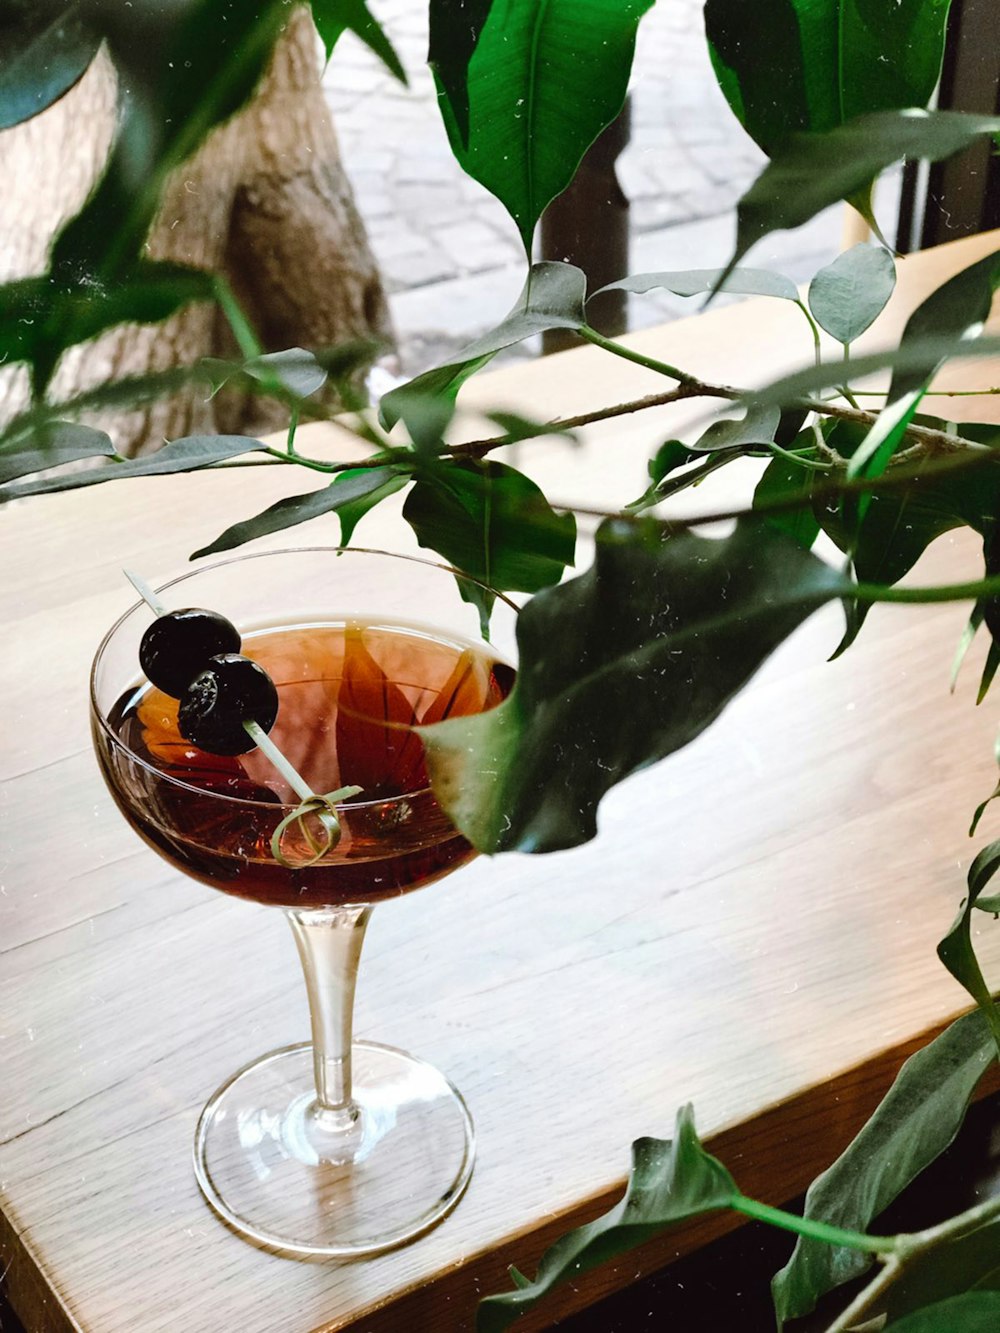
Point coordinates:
[(177, 645), (227, 692)]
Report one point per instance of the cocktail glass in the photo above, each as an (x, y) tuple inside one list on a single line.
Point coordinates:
[(329, 1147)]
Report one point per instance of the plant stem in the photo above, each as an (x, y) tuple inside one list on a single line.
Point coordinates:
[(817, 346), (813, 1229), (943, 592), (812, 464), (650, 363), (293, 422), (242, 329), (845, 390)]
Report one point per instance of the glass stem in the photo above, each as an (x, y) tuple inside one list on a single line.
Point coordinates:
[(329, 943)]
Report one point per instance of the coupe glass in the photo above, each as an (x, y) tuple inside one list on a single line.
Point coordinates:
[(329, 1147)]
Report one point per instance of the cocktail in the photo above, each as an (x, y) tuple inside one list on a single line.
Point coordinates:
[(329, 1147)]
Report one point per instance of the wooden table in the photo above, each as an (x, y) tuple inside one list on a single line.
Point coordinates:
[(753, 931)]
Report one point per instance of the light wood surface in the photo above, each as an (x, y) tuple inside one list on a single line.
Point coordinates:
[(753, 931)]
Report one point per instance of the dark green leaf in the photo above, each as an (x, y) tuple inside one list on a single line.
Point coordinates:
[(299, 508), (41, 317), (353, 512), (51, 445), (812, 171), (184, 455), (989, 672), (672, 454), (46, 47), (956, 950), (787, 65), (552, 298), (957, 310), (970, 1261), (334, 17), (455, 29), (699, 281), (671, 1180), (542, 83), (756, 426), (914, 1123), (494, 524), (982, 807), (619, 668), (783, 480), (973, 1312), (897, 526), (848, 295)]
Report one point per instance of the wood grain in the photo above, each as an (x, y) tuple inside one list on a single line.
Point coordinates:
[(753, 931)]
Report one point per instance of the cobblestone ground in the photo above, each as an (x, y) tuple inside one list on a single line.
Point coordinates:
[(449, 253)]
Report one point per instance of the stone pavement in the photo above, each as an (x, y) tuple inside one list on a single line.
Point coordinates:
[(449, 253)]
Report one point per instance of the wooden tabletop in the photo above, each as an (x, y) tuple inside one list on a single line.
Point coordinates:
[(753, 931)]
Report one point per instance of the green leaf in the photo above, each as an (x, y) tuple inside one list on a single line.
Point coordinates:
[(184, 455), (296, 370), (896, 527), (41, 316), (55, 443), (618, 668), (671, 1180), (973, 1312), (989, 672), (672, 454), (494, 524), (300, 508), (945, 1271), (757, 426), (914, 1123), (334, 17), (809, 65), (956, 951), (47, 47), (544, 79), (848, 295), (811, 171), (957, 310), (783, 480), (455, 29), (552, 298), (700, 281), (351, 513)]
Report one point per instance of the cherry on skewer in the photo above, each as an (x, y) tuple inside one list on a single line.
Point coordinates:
[(228, 692), (179, 643)]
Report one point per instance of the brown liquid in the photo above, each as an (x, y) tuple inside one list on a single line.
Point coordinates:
[(349, 698)]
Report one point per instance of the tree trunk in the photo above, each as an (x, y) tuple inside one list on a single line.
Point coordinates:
[(265, 200)]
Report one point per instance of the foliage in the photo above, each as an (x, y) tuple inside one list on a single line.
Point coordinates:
[(631, 659)]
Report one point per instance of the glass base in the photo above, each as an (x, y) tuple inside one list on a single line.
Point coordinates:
[(307, 1182)]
